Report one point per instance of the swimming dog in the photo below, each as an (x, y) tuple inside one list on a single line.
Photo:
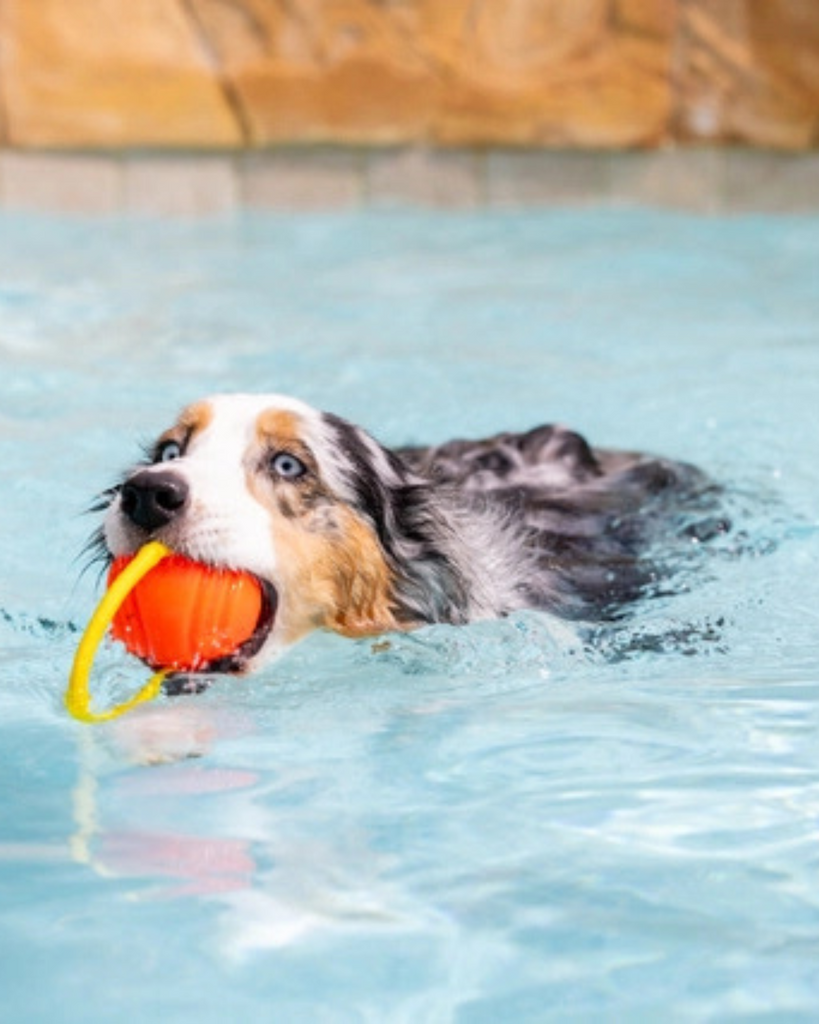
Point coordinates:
[(348, 535)]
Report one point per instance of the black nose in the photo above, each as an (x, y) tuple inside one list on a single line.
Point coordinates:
[(151, 499)]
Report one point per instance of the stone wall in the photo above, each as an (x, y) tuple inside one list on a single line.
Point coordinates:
[(234, 74)]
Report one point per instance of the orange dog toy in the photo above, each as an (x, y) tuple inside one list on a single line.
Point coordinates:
[(175, 614), (184, 614)]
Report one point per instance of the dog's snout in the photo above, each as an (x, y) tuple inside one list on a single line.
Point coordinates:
[(152, 499)]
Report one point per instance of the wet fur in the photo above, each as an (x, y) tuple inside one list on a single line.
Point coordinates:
[(536, 520), (374, 539)]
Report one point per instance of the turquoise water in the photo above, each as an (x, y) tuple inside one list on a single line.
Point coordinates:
[(500, 823)]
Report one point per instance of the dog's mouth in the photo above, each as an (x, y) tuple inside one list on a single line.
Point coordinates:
[(237, 662), (178, 684)]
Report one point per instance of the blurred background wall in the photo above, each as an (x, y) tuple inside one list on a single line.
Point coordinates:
[(219, 73), (451, 77)]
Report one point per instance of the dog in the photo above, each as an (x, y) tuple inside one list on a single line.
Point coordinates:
[(345, 534)]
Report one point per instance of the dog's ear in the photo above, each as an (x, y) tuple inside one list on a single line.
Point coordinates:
[(333, 574), (411, 532), (362, 584)]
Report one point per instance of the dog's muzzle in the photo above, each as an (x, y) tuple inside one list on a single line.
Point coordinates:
[(152, 498)]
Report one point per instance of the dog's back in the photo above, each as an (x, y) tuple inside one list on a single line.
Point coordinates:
[(603, 523)]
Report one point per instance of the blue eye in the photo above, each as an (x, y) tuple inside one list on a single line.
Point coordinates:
[(168, 451), (287, 466)]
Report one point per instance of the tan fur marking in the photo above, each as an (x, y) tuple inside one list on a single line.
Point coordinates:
[(335, 579), (279, 427), (192, 420), (363, 581)]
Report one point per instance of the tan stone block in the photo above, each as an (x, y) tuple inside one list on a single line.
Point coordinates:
[(748, 71), (464, 71), (108, 73), (426, 177), (63, 183), (302, 178), (529, 73), (182, 186), (308, 72), (646, 17)]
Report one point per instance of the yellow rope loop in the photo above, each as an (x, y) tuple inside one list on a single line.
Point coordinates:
[(77, 696)]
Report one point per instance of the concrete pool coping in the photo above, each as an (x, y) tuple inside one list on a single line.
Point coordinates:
[(190, 184)]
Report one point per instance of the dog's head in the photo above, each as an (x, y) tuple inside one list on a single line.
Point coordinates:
[(301, 499)]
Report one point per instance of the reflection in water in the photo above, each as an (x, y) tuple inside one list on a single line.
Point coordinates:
[(114, 844), (273, 883)]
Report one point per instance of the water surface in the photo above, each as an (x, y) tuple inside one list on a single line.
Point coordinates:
[(506, 822)]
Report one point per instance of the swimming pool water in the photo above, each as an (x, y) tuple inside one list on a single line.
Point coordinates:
[(508, 822)]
